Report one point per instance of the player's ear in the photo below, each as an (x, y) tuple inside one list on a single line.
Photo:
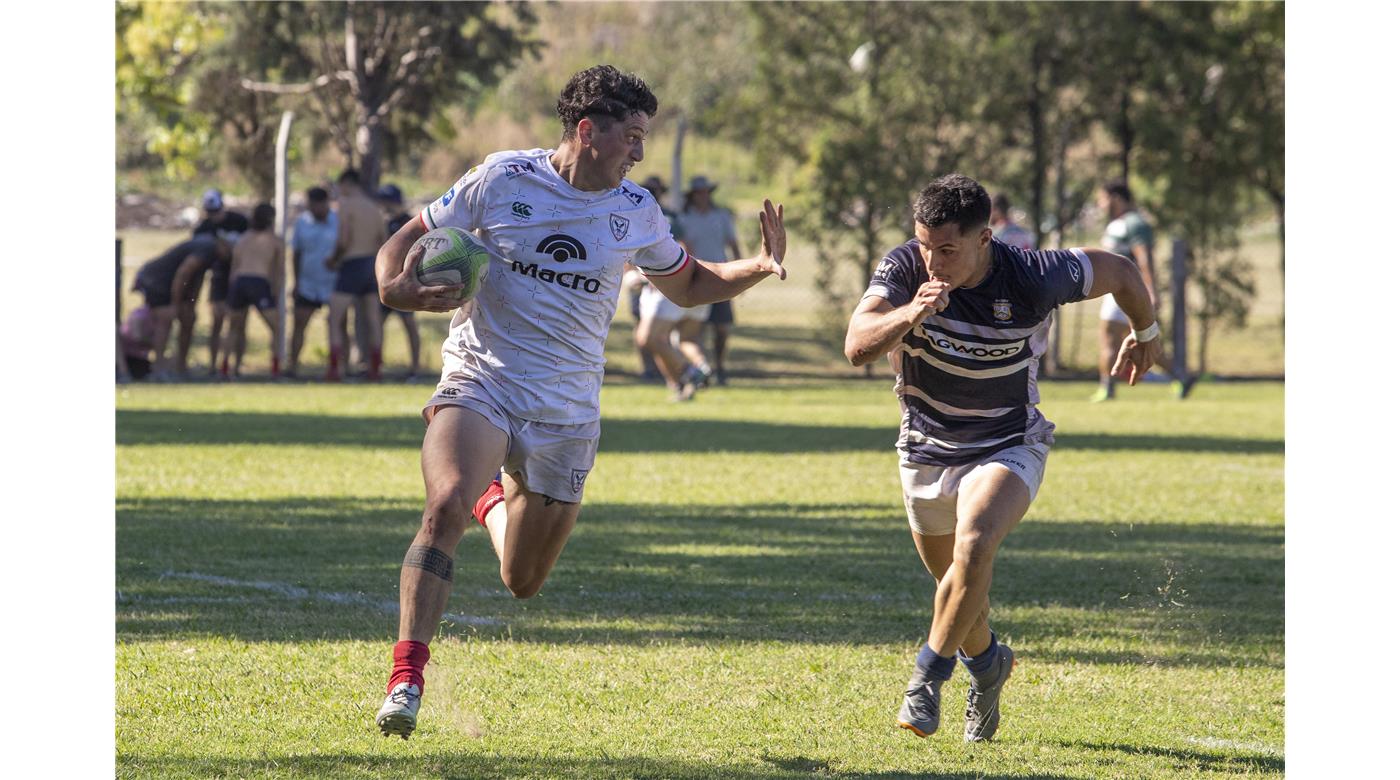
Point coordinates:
[(984, 239), (585, 131)]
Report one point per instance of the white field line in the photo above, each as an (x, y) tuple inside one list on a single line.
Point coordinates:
[(1216, 742), (300, 594)]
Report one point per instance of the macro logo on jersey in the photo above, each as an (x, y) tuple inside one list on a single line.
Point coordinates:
[(618, 225), (521, 212), (1001, 309), (518, 168), (974, 350), (635, 197), (562, 248)]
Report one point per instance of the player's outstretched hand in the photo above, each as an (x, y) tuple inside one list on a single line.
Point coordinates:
[(406, 293), (1135, 359), (770, 223)]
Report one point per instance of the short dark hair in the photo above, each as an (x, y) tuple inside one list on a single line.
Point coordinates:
[(600, 92), (263, 214), (349, 174), (1118, 187), (1001, 203), (317, 195), (953, 198)]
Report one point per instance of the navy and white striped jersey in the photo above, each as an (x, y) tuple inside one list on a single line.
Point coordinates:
[(966, 377)]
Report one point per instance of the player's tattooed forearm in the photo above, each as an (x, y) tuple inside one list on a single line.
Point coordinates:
[(430, 560), (552, 501)]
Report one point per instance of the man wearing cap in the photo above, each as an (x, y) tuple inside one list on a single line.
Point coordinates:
[(634, 282), (227, 226), (391, 200), (710, 230)]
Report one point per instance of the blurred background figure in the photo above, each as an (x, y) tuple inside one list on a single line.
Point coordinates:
[(313, 243), (1005, 229), (1129, 235), (658, 189), (360, 236), (226, 225), (256, 272), (170, 284), (391, 199), (709, 232), (135, 340)]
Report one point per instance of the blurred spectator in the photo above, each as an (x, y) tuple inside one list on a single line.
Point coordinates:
[(313, 243), (1129, 235), (135, 340), (256, 271), (391, 199), (709, 231), (658, 189), (1007, 231), (172, 281), (360, 236), (225, 225)]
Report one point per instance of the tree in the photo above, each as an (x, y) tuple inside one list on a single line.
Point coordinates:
[(842, 90), (378, 69)]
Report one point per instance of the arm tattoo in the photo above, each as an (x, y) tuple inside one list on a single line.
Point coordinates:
[(429, 559)]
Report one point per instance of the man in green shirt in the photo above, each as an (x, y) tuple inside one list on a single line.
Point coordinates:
[(1129, 235)]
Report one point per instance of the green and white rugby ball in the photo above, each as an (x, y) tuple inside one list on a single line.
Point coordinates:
[(453, 256)]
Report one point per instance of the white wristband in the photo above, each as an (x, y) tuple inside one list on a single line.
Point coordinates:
[(1148, 333)]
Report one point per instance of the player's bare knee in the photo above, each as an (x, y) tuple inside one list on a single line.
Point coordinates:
[(447, 515), (975, 551), (521, 584)]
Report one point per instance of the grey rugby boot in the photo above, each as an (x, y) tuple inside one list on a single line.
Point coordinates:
[(399, 715), (983, 714), (920, 710)]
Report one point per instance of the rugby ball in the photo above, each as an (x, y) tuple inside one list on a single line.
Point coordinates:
[(453, 256)]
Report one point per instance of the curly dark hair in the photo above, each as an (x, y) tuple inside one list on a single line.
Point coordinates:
[(953, 198), (1118, 187), (603, 93)]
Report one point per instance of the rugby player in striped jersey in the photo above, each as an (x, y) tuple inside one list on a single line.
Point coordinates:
[(964, 319)]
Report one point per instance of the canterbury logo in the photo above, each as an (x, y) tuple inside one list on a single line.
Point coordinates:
[(522, 211), (562, 248)]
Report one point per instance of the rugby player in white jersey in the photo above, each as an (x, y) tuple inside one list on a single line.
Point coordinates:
[(965, 319), (523, 364)]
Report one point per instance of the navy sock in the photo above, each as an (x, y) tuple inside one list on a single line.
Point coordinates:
[(934, 666), (981, 664)]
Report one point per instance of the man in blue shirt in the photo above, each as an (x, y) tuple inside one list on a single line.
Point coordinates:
[(965, 318), (313, 241)]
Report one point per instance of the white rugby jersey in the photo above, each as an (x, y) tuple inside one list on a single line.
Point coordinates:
[(537, 326)]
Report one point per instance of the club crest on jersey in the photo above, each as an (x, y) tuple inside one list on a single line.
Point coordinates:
[(517, 168), (618, 225), (1001, 309)]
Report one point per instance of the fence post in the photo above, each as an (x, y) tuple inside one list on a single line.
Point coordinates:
[(1180, 257)]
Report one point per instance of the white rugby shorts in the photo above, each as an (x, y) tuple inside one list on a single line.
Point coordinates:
[(931, 492), (550, 459), (656, 306), (1110, 310)]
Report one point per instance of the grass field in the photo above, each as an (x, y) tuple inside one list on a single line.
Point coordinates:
[(740, 600)]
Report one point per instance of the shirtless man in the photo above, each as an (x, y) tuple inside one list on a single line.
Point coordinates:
[(361, 234), (255, 273)]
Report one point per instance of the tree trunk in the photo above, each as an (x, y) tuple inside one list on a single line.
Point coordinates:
[(1035, 110), (369, 144)]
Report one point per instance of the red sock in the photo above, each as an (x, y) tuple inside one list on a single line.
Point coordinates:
[(275, 365), (333, 370), (494, 495), (374, 361), (223, 371), (409, 659)]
